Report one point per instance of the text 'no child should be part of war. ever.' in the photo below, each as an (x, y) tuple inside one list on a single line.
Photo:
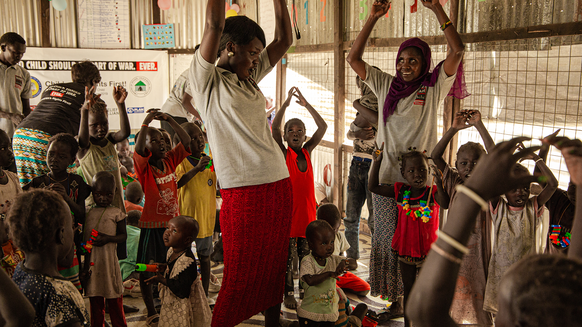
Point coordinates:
[(101, 65)]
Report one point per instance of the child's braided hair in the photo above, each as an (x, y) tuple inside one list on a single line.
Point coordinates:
[(545, 291), (412, 152)]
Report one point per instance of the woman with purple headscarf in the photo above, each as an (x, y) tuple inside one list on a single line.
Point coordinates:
[(408, 118)]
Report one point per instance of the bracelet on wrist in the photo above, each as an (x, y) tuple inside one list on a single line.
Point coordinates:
[(473, 196), (144, 125), (539, 159), (445, 25)]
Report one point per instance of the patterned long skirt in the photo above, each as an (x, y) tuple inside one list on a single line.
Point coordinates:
[(30, 147), (385, 277), (256, 223)]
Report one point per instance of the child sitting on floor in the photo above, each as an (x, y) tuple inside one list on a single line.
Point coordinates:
[(155, 165), (318, 274), (183, 299), (197, 197), (468, 302), (298, 158), (97, 145), (44, 231), (104, 283), (349, 282), (418, 213)]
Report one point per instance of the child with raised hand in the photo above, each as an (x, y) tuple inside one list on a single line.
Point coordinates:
[(97, 145), (418, 213), (104, 283), (10, 255), (539, 290), (318, 274), (468, 302), (183, 299), (348, 282), (155, 165), (44, 231), (197, 196), (298, 159), (516, 219)]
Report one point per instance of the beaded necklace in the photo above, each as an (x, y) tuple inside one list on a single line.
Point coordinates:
[(424, 212)]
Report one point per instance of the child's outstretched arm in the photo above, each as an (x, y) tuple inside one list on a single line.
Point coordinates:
[(184, 137), (321, 124), (90, 99), (276, 126), (119, 95), (442, 197), (432, 294), (15, 309), (379, 9), (474, 117), (374, 179), (551, 183), (200, 167), (455, 55), (459, 123), (572, 152), (141, 137)]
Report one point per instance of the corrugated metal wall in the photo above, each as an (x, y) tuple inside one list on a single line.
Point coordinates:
[(314, 20), (188, 19), (141, 14), (64, 26), (22, 17)]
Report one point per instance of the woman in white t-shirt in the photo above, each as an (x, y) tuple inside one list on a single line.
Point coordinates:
[(179, 103), (407, 117), (255, 218)]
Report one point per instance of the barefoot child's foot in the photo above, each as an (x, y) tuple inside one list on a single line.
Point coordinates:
[(290, 302)]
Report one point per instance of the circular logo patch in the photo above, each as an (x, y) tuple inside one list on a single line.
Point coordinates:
[(36, 86), (140, 86), (209, 182)]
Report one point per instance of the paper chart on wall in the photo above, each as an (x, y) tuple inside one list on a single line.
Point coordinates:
[(103, 24)]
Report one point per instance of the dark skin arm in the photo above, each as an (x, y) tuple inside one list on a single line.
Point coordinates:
[(374, 179), (141, 137), (119, 237), (432, 294), (321, 124), (283, 34), (312, 280), (200, 167), (78, 208), (184, 137), (90, 99), (459, 123), (25, 106), (278, 120), (441, 196), (474, 119), (369, 114), (119, 95)]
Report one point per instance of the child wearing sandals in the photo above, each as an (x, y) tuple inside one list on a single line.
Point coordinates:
[(44, 231), (298, 159), (418, 213), (318, 274), (467, 305), (183, 298)]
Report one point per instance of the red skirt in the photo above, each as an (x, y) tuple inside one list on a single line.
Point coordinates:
[(255, 223)]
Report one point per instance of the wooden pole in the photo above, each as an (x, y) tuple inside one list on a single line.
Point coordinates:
[(452, 105), (45, 24), (339, 103)]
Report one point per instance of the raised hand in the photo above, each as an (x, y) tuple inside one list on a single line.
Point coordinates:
[(461, 120), (301, 100), (430, 4), (202, 163), (474, 117), (119, 94), (494, 175), (90, 97), (379, 8), (365, 134), (161, 116), (572, 153), (290, 94)]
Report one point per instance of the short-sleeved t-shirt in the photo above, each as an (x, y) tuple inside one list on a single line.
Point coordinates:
[(56, 301), (197, 198), (160, 187), (233, 111), (413, 124), (58, 110), (320, 302), (15, 86), (173, 104), (341, 243)]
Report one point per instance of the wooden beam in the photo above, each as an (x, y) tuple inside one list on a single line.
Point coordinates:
[(312, 48), (281, 83), (45, 24), (490, 36), (157, 17), (180, 51), (339, 103), (452, 105)]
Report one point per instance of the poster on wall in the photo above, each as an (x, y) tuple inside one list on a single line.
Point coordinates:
[(103, 24), (143, 73)]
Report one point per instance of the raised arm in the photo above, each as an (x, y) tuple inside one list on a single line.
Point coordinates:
[(90, 99), (283, 33), (370, 115), (432, 294), (184, 137), (379, 9), (276, 126), (374, 180), (459, 123), (548, 177), (142, 135), (474, 117), (321, 124), (119, 95), (212, 30), (457, 48)]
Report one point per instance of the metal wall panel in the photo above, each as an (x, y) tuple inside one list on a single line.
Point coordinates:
[(64, 26), (22, 17), (188, 18), (141, 14), (314, 20)]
